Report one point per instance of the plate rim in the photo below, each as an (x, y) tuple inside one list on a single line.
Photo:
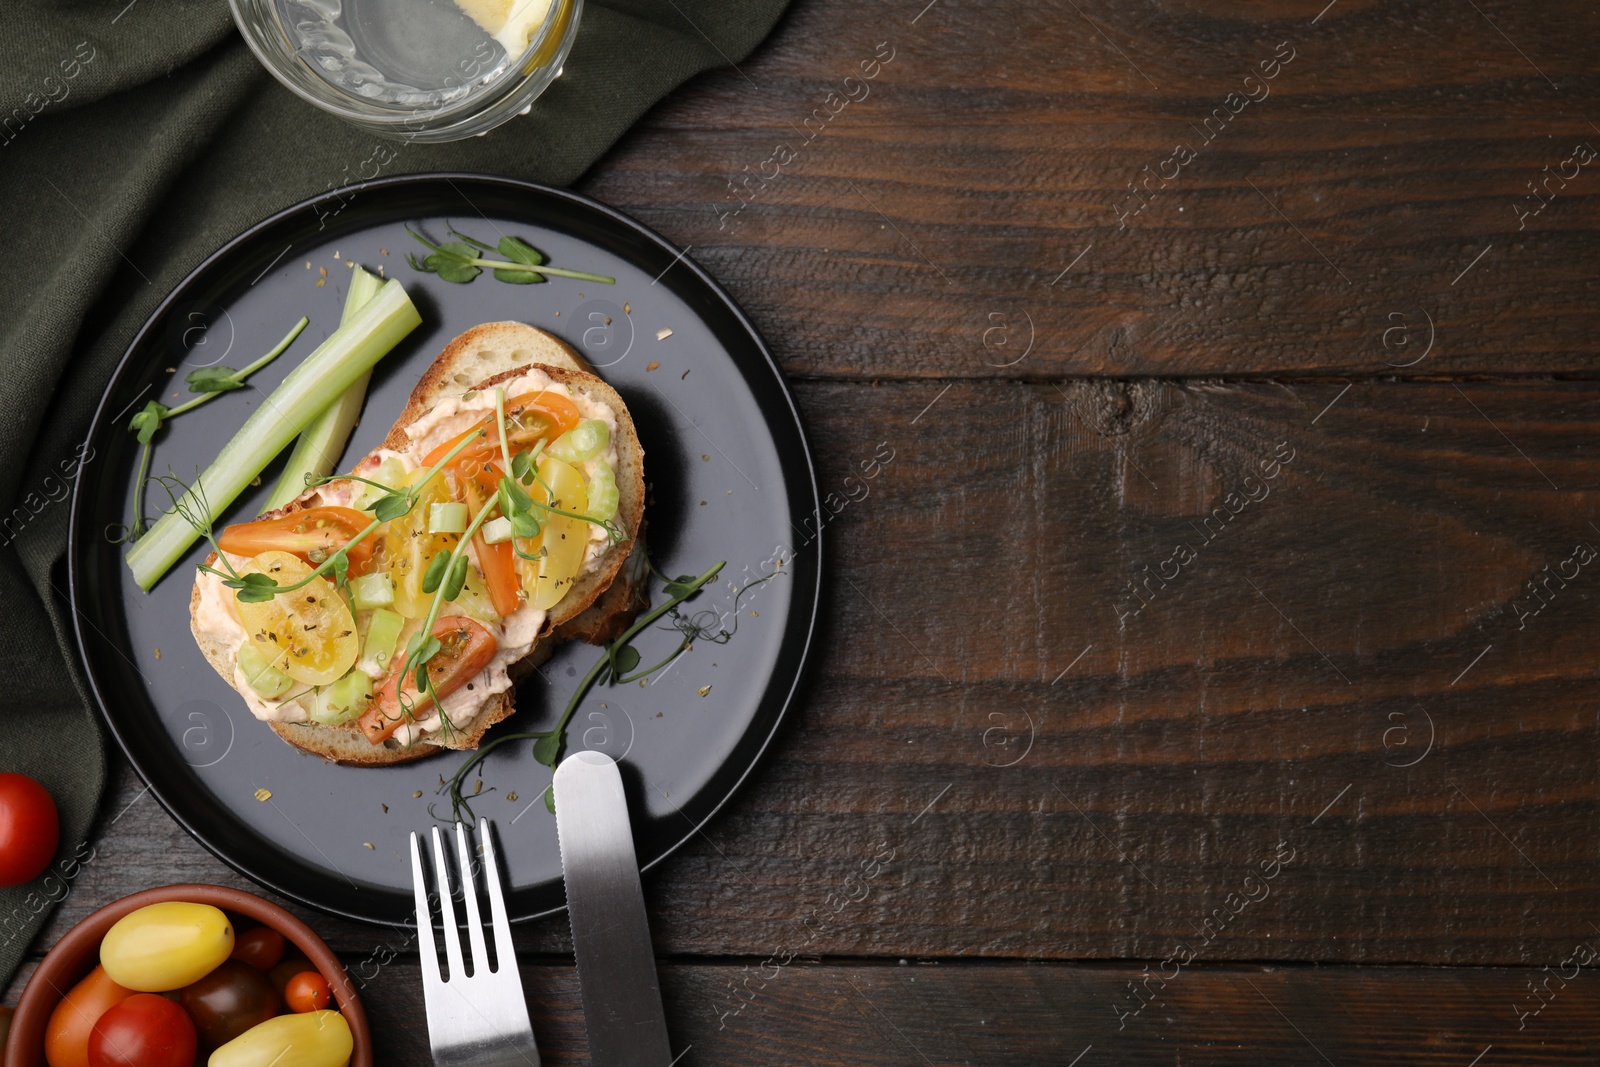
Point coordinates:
[(77, 519)]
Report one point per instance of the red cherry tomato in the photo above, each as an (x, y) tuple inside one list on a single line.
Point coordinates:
[(145, 1030), (308, 991), (262, 948), (29, 829)]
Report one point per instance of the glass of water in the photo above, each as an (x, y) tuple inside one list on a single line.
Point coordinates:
[(415, 70)]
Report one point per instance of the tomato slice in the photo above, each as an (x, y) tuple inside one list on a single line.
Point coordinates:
[(498, 562), (466, 648), (528, 418), (313, 534)]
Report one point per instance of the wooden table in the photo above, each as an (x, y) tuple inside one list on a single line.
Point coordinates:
[(1209, 675)]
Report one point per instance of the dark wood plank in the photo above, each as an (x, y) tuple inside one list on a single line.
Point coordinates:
[(1026, 1015), (1003, 754), (999, 144)]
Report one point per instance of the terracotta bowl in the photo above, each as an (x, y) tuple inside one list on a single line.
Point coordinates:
[(76, 954)]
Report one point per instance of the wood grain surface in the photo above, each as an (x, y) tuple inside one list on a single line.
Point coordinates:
[(1226, 601), (904, 1014)]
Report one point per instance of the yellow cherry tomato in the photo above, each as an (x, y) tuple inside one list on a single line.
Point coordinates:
[(308, 634), (166, 946), (408, 546), (311, 1039), (563, 541)]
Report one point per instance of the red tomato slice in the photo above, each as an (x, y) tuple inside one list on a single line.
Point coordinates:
[(313, 535), (528, 418), (466, 649), (498, 562)]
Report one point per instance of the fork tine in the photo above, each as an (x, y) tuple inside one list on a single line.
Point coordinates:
[(452, 936), (505, 953), (469, 890), (419, 885)]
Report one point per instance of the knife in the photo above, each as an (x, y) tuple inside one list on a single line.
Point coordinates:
[(616, 963)]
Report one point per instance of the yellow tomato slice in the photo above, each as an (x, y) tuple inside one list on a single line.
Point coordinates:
[(563, 541), (408, 547), (308, 634)]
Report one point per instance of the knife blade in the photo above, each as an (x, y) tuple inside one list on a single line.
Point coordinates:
[(610, 934)]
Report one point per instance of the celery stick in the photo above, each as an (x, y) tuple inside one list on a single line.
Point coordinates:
[(346, 355), (317, 452)]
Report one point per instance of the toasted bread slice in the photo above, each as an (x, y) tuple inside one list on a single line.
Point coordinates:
[(481, 358)]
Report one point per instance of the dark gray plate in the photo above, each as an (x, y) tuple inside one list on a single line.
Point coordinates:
[(731, 479)]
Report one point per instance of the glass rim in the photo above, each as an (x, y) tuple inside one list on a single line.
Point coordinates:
[(282, 60)]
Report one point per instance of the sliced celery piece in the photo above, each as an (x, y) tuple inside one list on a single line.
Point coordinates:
[(317, 452), (603, 494), (342, 701), (383, 633), (372, 591), (260, 674), (584, 441), (496, 531), (450, 517), (347, 354)]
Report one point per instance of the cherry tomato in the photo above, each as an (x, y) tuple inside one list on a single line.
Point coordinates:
[(262, 948), (229, 1001), (143, 1031), (498, 562), (29, 829), (528, 418), (166, 945), (66, 1036), (308, 991), (466, 649), (313, 534)]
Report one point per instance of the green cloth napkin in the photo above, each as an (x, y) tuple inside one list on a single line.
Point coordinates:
[(135, 138)]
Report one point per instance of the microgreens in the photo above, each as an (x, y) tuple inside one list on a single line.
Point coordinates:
[(615, 661), (460, 261), (207, 382)]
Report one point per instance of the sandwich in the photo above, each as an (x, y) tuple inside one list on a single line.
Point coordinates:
[(441, 609)]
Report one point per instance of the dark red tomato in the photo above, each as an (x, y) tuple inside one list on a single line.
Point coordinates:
[(308, 991), (29, 829), (229, 1001), (143, 1031), (262, 948)]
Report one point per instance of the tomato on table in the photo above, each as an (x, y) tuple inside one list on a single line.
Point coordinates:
[(466, 648), (261, 947), (308, 991), (30, 830), (529, 418), (313, 534), (146, 1030)]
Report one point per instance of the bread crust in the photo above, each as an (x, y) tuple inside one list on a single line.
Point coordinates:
[(590, 610)]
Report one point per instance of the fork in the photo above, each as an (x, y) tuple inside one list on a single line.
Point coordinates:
[(479, 1019)]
